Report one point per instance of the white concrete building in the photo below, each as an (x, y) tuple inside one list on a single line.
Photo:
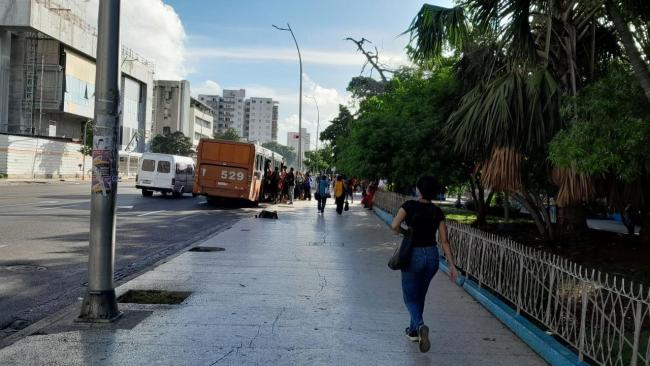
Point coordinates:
[(171, 108), (294, 137), (231, 110), (259, 120), (47, 58), (213, 101), (47, 77), (202, 121)]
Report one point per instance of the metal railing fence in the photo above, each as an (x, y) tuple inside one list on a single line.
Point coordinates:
[(603, 317)]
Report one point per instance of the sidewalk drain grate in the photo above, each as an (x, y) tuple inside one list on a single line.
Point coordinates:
[(153, 297), (207, 249), (23, 268), (326, 244)]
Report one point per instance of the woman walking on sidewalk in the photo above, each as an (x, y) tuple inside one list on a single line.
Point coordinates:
[(339, 194), (424, 219)]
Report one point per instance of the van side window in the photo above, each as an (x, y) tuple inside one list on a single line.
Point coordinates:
[(163, 167), (148, 165), (181, 168)]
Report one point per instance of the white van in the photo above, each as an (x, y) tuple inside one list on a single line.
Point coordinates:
[(165, 173)]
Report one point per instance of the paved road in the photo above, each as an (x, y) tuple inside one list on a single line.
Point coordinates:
[(44, 242)]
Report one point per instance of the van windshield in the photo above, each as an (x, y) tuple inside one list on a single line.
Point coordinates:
[(163, 167), (148, 165)]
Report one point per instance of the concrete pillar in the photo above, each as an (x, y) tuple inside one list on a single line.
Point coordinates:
[(5, 70)]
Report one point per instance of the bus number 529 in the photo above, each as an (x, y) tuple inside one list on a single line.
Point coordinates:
[(231, 175)]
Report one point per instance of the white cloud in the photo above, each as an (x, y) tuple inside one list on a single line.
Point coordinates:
[(328, 103), (154, 30), (309, 56), (328, 100), (209, 87)]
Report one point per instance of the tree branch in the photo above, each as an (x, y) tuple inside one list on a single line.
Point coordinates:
[(372, 57)]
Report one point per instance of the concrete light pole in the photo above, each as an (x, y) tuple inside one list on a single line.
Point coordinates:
[(317, 124), (100, 304), (288, 29)]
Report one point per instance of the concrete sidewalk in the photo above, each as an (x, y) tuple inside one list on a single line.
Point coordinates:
[(307, 289)]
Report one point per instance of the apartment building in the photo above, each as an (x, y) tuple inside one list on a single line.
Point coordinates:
[(257, 122), (259, 119)]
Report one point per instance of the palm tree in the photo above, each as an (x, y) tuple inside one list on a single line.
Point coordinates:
[(518, 58)]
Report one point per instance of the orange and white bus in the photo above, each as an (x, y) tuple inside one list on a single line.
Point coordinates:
[(230, 169)]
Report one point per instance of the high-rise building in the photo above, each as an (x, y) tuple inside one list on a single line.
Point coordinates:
[(255, 119), (274, 122), (258, 124), (232, 105), (294, 137)]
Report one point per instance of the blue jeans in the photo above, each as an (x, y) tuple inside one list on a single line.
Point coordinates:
[(321, 203), (415, 281)]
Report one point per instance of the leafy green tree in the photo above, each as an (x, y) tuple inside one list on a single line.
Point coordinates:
[(398, 135), (287, 152), (87, 148), (519, 59), (610, 141), (338, 129), (230, 135), (319, 160), (362, 87), (175, 143)]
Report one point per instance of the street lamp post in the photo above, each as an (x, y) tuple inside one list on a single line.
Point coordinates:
[(100, 303), (288, 29), (317, 124)]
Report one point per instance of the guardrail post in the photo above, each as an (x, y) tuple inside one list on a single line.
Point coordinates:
[(468, 269), (482, 262), (637, 332), (520, 283), (583, 323), (551, 283), (500, 274)]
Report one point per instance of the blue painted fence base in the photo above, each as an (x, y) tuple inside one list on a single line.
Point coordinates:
[(545, 345)]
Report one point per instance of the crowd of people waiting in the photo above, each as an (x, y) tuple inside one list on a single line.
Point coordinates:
[(283, 186)]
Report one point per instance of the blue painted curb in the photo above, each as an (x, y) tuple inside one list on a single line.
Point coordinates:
[(545, 345)]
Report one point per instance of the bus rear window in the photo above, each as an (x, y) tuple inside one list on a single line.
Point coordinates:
[(148, 165), (163, 167)]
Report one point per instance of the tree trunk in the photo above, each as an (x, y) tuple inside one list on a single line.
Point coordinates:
[(546, 217), (638, 64), (572, 219), (537, 218), (478, 195)]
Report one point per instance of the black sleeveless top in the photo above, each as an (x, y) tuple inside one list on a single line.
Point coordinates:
[(423, 219)]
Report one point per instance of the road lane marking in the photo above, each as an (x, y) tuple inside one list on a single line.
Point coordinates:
[(183, 218), (150, 213), (2, 246), (125, 207), (28, 204), (64, 206)]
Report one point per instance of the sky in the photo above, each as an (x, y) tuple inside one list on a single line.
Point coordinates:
[(218, 44)]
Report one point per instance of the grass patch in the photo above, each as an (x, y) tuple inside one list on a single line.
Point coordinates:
[(465, 216)]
